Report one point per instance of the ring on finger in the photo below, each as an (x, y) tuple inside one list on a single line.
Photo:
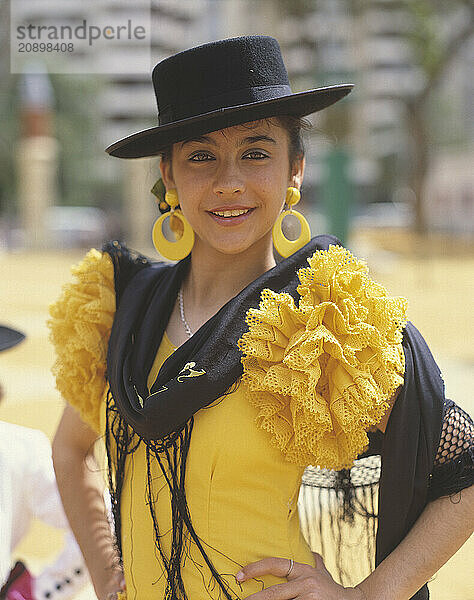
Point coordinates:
[(290, 568)]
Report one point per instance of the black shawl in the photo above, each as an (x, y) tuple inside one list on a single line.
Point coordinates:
[(163, 416)]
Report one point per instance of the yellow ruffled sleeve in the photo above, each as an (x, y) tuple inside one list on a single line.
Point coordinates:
[(322, 372), (80, 325)]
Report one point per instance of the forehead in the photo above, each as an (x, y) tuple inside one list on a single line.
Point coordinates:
[(265, 128)]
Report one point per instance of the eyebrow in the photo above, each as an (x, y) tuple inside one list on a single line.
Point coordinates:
[(205, 139), (202, 138), (257, 138)]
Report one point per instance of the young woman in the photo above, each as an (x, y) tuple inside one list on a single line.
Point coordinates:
[(217, 379)]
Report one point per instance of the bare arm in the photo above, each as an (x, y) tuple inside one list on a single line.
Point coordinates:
[(445, 524), (440, 531), (81, 488)]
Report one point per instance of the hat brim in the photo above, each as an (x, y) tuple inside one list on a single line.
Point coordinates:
[(9, 337), (150, 142)]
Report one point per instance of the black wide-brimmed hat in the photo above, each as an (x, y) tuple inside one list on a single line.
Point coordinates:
[(9, 337), (219, 85)]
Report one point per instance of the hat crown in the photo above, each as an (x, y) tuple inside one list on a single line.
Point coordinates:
[(218, 85), (218, 75)]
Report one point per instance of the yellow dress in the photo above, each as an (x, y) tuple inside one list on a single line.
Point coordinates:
[(242, 489), (240, 515)]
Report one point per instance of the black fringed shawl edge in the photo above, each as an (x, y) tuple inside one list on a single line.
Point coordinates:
[(409, 447)]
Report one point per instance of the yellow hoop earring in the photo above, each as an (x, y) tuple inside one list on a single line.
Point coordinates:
[(283, 245), (183, 246)]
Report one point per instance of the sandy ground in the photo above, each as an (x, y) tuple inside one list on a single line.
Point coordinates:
[(436, 276)]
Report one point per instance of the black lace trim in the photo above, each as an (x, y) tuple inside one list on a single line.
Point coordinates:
[(452, 477), (453, 469)]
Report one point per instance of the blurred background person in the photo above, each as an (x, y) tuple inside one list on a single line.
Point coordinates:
[(28, 491)]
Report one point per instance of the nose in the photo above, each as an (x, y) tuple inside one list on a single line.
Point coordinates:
[(228, 179)]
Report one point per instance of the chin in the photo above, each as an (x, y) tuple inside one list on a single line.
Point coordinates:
[(231, 249), (228, 245), (234, 245)]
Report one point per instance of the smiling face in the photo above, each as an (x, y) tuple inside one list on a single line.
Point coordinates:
[(232, 183)]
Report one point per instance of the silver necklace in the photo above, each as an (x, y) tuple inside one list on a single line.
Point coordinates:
[(187, 328)]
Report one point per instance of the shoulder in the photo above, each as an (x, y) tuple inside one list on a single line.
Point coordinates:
[(92, 279), (126, 264), (80, 323), (323, 369), (324, 240), (133, 270), (82, 318)]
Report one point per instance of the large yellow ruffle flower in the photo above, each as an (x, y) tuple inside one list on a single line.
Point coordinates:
[(322, 373), (80, 326)]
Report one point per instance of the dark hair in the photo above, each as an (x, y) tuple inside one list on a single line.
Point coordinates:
[(294, 127)]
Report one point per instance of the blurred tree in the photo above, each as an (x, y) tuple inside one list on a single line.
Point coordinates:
[(439, 31), (77, 122), (75, 125)]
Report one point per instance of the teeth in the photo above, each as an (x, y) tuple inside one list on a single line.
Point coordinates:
[(231, 213)]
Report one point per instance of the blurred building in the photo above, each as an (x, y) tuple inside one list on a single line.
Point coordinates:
[(127, 103)]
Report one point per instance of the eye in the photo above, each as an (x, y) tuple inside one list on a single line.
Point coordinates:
[(255, 155), (201, 157)]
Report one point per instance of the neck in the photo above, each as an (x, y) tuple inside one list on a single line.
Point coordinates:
[(214, 278)]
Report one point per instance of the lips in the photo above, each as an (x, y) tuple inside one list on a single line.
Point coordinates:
[(231, 215), (236, 212)]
